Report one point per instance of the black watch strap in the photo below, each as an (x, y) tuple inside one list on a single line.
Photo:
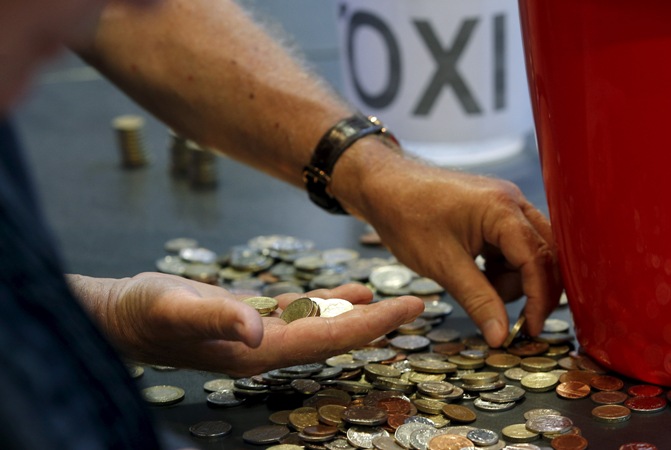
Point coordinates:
[(317, 174)]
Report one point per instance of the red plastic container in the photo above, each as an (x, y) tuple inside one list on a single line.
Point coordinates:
[(600, 78)]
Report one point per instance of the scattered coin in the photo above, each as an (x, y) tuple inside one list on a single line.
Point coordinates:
[(265, 434), (573, 390), (611, 413), (609, 397), (163, 395), (223, 398), (515, 330), (569, 442), (646, 404), (211, 429), (644, 390)]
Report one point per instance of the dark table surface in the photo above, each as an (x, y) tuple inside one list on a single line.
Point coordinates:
[(113, 222)]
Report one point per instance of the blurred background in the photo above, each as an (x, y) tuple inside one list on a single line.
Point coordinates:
[(112, 221)]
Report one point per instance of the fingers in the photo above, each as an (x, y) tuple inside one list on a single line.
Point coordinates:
[(524, 238), (479, 299), (316, 338)]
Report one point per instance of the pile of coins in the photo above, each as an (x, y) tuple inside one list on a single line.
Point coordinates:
[(422, 387), (268, 266)]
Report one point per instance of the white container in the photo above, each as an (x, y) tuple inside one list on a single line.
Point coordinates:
[(447, 76)]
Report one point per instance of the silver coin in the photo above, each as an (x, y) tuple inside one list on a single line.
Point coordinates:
[(211, 429), (172, 265), (374, 354), (392, 277), (339, 256), (549, 424), (199, 255), (441, 335), (425, 286), (246, 258), (163, 395), (329, 280), (404, 432), (537, 412), (555, 326), (411, 343), (437, 309), (491, 406), (522, 446), (332, 307), (509, 393), (362, 437), (419, 439), (482, 437), (224, 397), (515, 374), (249, 384), (280, 243), (135, 371), (310, 263), (218, 384), (420, 419), (461, 430), (340, 444)]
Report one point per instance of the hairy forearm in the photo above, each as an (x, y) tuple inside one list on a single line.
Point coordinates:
[(205, 69)]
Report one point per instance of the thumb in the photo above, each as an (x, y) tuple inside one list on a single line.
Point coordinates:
[(216, 318)]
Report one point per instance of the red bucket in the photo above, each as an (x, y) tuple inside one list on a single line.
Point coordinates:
[(600, 79)]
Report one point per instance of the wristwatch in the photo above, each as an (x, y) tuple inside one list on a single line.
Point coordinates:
[(317, 174)]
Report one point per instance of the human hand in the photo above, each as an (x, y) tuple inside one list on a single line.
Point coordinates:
[(169, 320), (436, 221)]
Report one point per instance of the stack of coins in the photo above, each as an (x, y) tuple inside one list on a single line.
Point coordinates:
[(179, 155), (202, 167), (129, 136)]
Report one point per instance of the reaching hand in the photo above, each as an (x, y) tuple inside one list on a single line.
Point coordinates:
[(437, 221)]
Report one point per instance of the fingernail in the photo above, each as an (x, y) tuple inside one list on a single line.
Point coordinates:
[(493, 331)]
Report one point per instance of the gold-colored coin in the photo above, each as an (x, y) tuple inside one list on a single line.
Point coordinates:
[(539, 382), (264, 305), (519, 433), (428, 406), (502, 361), (538, 364), (480, 378), (465, 363), (515, 330), (304, 417), (299, 309)]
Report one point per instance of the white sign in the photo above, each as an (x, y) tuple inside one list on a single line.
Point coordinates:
[(447, 76)]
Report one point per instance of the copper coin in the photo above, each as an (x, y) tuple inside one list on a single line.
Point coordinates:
[(609, 397), (573, 390), (280, 417), (394, 405), (449, 442), (528, 348), (646, 404), (458, 413), (320, 430), (638, 446), (577, 375), (305, 386), (611, 413), (449, 348), (644, 390), (569, 442), (396, 420), (606, 383)]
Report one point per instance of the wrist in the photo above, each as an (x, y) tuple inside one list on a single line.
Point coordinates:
[(359, 177)]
